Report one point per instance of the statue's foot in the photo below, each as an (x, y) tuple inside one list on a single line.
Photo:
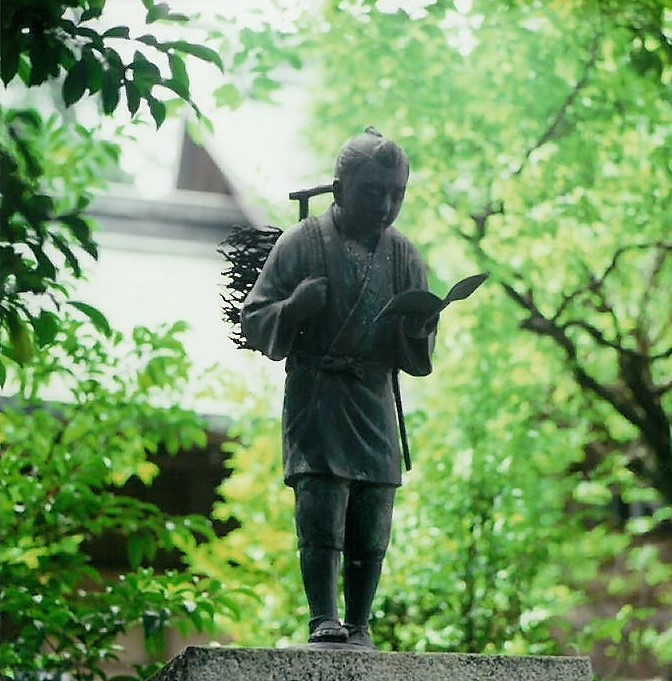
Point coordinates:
[(359, 635), (329, 631)]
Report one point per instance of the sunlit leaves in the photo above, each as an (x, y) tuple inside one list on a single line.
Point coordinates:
[(539, 141), (61, 465), (228, 95), (158, 110), (263, 548)]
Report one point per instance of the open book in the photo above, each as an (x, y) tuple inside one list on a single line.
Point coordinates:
[(427, 304)]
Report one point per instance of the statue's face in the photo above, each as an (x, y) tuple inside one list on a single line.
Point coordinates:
[(371, 197)]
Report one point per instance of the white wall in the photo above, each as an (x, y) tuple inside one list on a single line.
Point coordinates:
[(150, 280)]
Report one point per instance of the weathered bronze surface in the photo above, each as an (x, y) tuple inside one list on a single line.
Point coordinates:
[(317, 304)]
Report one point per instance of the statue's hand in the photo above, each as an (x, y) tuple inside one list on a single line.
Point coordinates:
[(419, 326), (307, 299)]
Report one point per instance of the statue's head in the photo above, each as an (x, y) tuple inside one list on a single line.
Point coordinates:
[(368, 146), (370, 181)]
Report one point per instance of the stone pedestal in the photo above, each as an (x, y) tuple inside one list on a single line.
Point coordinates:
[(329, 664)]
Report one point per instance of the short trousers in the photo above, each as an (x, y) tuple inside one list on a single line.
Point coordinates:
[(347, 515)]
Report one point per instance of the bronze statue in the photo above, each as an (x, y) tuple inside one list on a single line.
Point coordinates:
[(317, 303)]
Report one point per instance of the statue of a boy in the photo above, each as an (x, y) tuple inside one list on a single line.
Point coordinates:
[(314, 304)]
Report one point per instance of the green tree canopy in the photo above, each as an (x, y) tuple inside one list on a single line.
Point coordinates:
[(539, 137)]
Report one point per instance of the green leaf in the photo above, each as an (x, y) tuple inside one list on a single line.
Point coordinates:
[(132, 96), (40, 207), (203, 120), (41, 60), (22, 346), (200, 51), (117, 32), (29, 116), (158, 110), (24, 70), (70, 257), (94, 314), (3, 374), (157, 12), (94, 37), (67, 26), (145, 73), (180, 77), (81, 230), (263, 89), (94, 69), (91, 13), (10, 51), (33, 162), (110, 92), (45, 268), (136, 550), (75, 83), (149, 39), (46, 327), (228, 95), (178, 17)]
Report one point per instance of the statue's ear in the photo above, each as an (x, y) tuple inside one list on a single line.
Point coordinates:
[(338, 191)]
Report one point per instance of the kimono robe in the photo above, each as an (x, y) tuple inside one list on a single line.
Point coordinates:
[(339, 413)]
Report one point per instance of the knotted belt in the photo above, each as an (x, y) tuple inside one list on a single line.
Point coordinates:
[(343, 364)]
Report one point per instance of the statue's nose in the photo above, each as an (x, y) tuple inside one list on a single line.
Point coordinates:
[(386, 204)]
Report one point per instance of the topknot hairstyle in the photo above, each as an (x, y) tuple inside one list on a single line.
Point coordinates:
[(366, 146)]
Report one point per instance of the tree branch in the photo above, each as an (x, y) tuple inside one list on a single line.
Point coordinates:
[(662, 389), (562, 112), (541, 325), (595, 334), (666, 354)]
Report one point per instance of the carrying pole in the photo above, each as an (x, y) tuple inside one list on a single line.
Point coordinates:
[(304, 195)]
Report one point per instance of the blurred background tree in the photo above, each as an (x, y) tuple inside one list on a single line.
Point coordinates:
[(539, 137)]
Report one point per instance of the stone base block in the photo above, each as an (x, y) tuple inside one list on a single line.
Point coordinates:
[(326, 664)]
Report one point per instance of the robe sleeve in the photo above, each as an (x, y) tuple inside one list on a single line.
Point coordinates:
[(262, 320), (415, 354)]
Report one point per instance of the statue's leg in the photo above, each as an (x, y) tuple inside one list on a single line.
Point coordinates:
[(368, 528), (320, 520), (320, 568)]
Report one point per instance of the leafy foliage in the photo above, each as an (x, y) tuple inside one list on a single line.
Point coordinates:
[(61, 464), (54, 39), (538, 135), (50, 167), (48, 174), (538, 145), (542, 191), (259, 556), (486, 514)]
